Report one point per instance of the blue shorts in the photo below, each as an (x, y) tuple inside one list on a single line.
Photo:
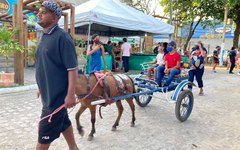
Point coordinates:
[(49, 131)]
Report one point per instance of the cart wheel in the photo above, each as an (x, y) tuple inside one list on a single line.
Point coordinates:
[(143, 100), (184, 105)]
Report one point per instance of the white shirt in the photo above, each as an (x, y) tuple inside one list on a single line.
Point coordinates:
[(160, 60), (126, 49)]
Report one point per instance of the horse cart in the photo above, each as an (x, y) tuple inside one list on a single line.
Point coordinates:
[(182, 96), (103, 89)]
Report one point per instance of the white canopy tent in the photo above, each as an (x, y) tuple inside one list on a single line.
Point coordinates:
[(113, 18)]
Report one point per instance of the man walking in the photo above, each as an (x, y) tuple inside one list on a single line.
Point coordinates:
[(56, 73), (232, 55)]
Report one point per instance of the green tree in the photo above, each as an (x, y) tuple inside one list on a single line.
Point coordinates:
[(8, 45), (186, 12), (234, 14)]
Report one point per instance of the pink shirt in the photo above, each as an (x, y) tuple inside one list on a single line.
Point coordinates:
[(126, 49)]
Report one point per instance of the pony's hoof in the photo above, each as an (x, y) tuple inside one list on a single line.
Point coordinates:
[(132, 124), (81, 132), (90, 138), (114, 129)]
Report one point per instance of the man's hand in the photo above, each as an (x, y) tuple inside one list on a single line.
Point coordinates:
[(70, 101)]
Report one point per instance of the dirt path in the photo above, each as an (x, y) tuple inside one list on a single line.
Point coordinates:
[(213, 125)]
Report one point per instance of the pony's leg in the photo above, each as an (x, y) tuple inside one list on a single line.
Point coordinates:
[(77, 117), (120, 111), (132, 106), (93, 120)]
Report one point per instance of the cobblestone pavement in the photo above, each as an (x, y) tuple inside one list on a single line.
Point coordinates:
[(213, 125)]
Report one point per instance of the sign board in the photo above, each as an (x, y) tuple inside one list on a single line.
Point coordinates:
[(6, 6)]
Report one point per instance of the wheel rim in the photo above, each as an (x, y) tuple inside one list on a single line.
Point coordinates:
[(185, 105), (143, 98)]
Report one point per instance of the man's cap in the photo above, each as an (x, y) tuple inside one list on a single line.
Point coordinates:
[(53, 6), (172, 43)]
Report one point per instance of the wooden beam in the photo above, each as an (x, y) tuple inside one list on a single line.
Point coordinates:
[(64, 14), (72, 21), (30, 8), (28, 1), (66, 23), (3, 15), (66, 8), (162, 17), (5, 20)]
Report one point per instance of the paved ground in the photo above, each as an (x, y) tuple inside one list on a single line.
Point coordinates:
[(213, 125)]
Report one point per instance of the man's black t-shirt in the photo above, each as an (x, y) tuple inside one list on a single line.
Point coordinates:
[(56, 55)]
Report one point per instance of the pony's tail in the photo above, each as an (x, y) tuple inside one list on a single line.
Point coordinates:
[(100, 114)]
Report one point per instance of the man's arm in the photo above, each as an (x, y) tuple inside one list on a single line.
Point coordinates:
[(70, 99)]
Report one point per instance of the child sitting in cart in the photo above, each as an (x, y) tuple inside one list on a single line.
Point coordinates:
[(158, 61)]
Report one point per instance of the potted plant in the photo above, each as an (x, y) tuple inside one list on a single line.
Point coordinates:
[(8, 46)]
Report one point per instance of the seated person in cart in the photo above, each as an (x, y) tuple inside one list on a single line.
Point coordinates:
[(158, 61), (172, 65)]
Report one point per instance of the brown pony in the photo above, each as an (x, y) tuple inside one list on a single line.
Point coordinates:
[(114, 85)]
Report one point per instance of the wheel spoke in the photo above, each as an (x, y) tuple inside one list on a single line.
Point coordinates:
[(184, 105)]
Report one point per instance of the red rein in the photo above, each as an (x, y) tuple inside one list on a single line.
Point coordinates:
[(62, 106)]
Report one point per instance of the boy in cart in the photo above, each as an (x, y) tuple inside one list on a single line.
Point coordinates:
[(172, 65)]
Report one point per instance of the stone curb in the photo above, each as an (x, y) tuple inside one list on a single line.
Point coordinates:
[(18, 89), (29, 87)]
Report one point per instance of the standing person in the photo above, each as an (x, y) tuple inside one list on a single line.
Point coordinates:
[(197, 65), (155, 50), (109, 50), (172, 62), (232, 55), (126, 50), (56, 74), (216, 58), (95, 51)]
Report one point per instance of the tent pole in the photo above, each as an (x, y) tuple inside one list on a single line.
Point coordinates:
[(140, 45), (89, 30)]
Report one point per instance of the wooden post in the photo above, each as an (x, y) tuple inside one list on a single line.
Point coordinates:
[(14, 15), (66, 22), (72, 25), (18, 56), (25, 34)]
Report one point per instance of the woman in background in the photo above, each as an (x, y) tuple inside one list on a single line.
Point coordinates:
[(95, 51), (196, 59)]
